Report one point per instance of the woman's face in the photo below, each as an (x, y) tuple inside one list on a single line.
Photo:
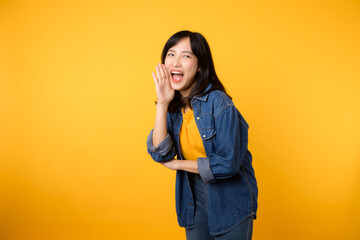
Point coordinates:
[(182, 65)]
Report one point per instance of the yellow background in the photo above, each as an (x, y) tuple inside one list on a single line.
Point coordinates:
[(77, 103)]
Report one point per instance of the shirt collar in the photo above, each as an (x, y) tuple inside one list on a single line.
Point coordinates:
[(205, 97)]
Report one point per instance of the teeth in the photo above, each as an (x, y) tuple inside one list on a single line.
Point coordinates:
[(176, 72)]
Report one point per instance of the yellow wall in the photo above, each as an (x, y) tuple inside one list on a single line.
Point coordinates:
[(77, 103)]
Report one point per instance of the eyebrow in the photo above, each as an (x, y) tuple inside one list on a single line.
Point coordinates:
[(181, 51)]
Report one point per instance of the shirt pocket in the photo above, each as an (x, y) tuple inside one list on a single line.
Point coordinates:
[(206, 125), (207, 134)]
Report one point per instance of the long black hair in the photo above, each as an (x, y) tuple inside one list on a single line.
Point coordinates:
[(203, 78)]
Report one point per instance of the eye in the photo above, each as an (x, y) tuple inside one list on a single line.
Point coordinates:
[(187, 56), (170, 54)]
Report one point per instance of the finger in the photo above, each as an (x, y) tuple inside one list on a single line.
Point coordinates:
[(155, 78), (162, 72), (167, 74), (158, 74)]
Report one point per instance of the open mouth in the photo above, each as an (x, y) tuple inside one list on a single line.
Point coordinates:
[(177, 76)]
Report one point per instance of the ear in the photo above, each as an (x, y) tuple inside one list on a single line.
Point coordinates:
[(198, 70)]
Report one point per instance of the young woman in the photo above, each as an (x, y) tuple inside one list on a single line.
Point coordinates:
[(216, 189)]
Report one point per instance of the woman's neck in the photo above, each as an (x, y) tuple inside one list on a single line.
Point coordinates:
[(185, 109)]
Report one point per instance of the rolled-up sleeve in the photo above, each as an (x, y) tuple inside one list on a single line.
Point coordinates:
[(165, 151), (205, 170)]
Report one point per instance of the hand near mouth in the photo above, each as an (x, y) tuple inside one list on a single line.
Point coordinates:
[(163, 88)]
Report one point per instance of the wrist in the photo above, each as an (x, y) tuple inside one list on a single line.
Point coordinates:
[(177, 164), (162, 105)]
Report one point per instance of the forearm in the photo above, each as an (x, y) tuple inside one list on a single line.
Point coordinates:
[(185, 165), (188, 165), (160, 127)]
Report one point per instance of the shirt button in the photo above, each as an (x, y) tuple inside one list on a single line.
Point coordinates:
[(190, 204), (198, 118), (204, 136)]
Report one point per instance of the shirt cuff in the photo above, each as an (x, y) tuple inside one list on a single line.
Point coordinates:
[(205, 170), (164, 146)]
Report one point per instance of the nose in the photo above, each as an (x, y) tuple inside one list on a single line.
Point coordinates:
[(176, 62)]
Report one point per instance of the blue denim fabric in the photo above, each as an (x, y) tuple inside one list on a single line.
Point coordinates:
[(200, 231), (231, 185)]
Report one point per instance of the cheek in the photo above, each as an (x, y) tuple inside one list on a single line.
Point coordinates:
[(189, 66), (193, 67), (192, 70)]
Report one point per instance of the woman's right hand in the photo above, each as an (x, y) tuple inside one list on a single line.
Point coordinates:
[(163, 88)]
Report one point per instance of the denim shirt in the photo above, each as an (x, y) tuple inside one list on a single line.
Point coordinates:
[(227, 170)]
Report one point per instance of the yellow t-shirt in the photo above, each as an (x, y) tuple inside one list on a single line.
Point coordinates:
[(190, 140)]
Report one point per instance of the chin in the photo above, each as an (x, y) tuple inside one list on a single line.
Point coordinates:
[(176, 87)]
